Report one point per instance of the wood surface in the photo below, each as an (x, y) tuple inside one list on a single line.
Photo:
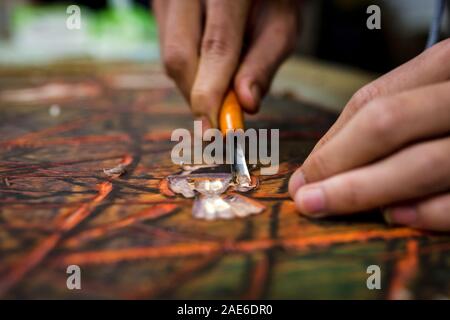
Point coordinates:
[(58, 208)]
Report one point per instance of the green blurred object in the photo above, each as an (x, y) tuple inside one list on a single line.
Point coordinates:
[(134, 24), (39, 34)]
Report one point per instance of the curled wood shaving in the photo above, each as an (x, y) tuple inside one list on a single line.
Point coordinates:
[(116, 171)]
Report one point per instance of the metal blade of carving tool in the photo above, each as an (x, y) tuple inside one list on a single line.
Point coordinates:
[(240, 167)]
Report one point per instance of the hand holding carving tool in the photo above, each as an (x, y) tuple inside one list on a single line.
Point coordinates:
[(231, 118)]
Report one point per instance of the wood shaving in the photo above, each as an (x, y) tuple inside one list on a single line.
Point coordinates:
[(6, 182), (116, 171)]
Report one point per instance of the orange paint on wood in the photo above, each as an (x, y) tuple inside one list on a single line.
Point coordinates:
[(154, 212), (164, 188), (404, 272), (112, 256), (32, 259), (258, 278), (208, 247)]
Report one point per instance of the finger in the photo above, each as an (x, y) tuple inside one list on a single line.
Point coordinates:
[(181, 42), (220, 49), (429, 67), (160, 10), (416, 171), (277, 31), (385, 125), (296, 181), (430, 214)]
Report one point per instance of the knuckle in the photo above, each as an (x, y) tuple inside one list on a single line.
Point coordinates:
[(216, 43), (262, 73), (203, 98), (427, 213), (349, 194), (435, 207), (203, 94), (316, 167), (198, 96), (439, 54), (433, 158), (175, 61), (381, 118), (197, 99), (258, 74), (428, 160), (363, 96), (285, 32)]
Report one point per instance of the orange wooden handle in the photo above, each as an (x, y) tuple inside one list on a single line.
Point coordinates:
[(231, 116)]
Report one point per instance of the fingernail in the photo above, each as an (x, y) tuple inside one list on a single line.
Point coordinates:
[(296, 181), (256, 93), (311, 200), (401, 216)]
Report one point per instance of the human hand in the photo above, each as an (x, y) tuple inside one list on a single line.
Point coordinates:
[(206, 58), (389, 148)]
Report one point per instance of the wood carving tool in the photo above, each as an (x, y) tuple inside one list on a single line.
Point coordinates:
[(231, 118), (207, 184)]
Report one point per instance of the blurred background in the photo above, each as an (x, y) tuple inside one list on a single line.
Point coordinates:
[(333, 30)]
